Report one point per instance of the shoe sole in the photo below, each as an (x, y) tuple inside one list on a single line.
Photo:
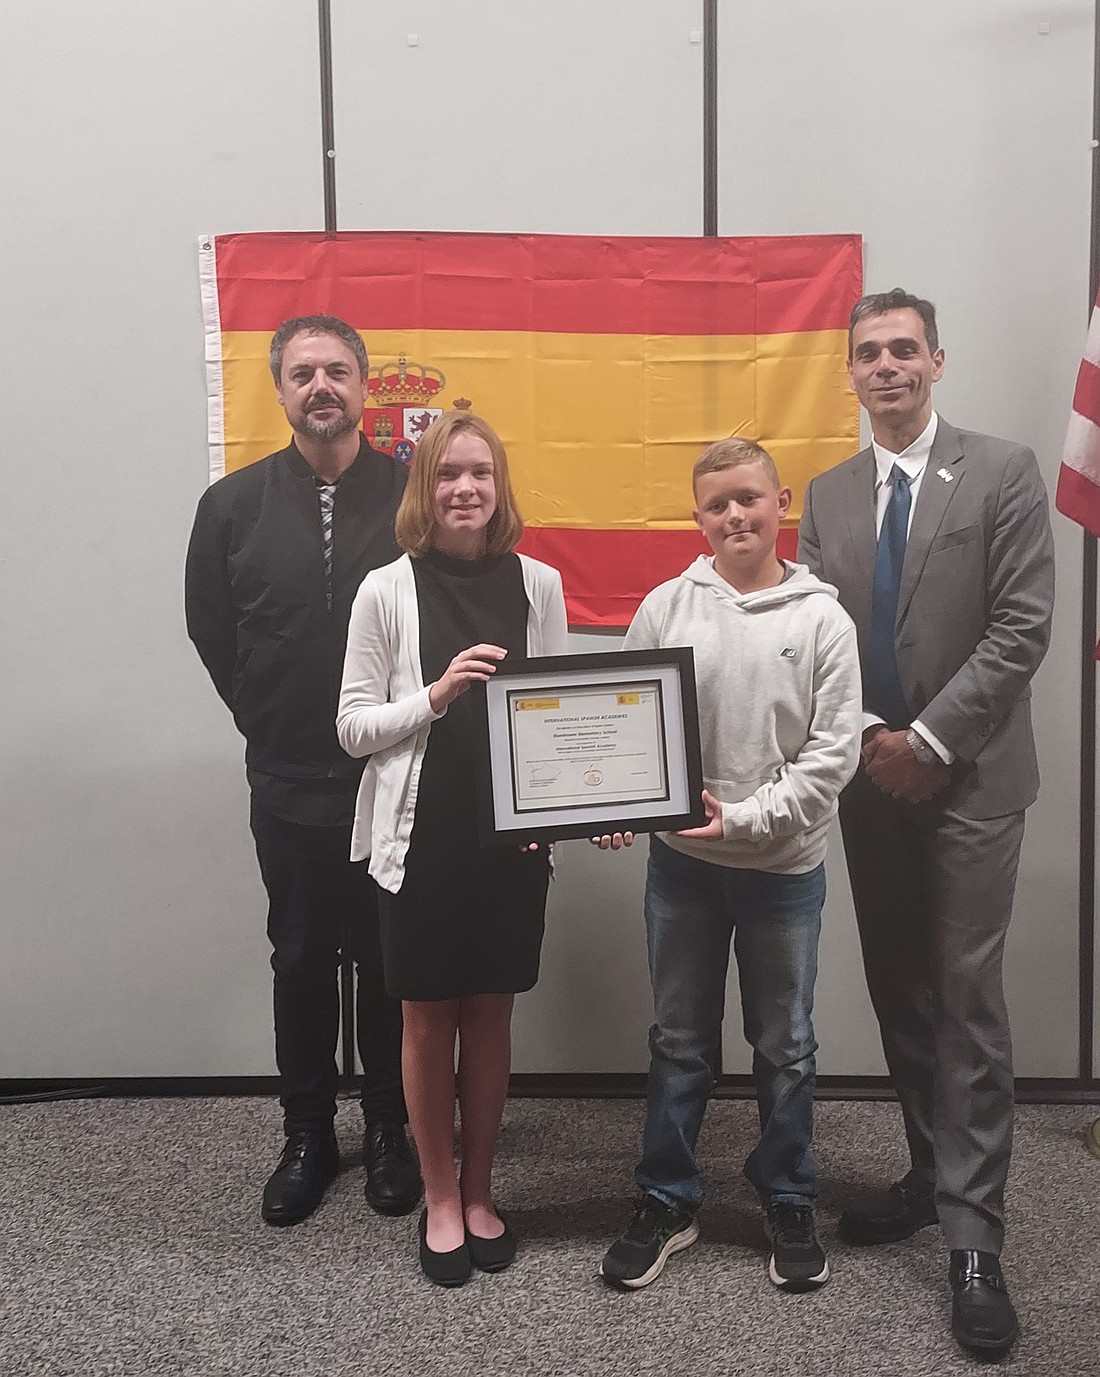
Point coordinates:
[(491, 1266), (287, 1221), (989, 1348), (394, 1210), (676, 1244), (797, 1284)]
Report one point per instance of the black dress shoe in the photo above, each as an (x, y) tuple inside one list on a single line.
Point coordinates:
[(307, 1167), (393, 1184), (982, 1317), (492, 1254), (445, 1269), (890, 1215)]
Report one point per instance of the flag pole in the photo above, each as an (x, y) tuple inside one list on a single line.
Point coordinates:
[(1087, 928)]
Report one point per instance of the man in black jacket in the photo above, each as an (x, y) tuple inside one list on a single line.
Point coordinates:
[(277, 553)]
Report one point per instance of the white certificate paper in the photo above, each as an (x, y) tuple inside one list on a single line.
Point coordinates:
[(580, 745), (588, 744)]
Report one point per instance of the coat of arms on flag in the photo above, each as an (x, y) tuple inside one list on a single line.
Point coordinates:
[(605, 364), (400, 397)]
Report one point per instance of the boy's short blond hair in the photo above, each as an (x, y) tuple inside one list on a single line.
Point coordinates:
[(731, 453)]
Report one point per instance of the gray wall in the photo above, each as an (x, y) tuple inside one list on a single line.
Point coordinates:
[(954, 137)]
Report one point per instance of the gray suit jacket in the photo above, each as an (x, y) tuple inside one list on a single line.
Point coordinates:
[(976, 598)]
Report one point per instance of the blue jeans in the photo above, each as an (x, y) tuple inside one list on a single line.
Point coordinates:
[(692, 910)]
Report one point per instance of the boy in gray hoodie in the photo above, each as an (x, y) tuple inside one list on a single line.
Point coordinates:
[(779, 694)]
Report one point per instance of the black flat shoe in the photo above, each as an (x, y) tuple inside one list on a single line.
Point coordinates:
[(982, 1317), (445, 1269), (889, 1216), (492, 1254)]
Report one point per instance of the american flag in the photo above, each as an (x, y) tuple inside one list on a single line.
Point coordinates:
[(1079, 479)]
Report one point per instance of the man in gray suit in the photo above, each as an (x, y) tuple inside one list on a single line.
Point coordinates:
[(939, 543)]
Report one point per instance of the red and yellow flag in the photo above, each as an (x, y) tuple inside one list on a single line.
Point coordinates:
[(605, 364)]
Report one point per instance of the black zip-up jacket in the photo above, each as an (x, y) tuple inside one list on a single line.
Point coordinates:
[(257, 600)]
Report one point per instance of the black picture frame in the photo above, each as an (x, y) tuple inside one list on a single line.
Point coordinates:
[(671, 670)]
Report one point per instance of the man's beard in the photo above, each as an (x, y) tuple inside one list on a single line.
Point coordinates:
[(326, 430)]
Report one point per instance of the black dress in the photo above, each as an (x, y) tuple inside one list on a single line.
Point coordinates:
[(468, 919)]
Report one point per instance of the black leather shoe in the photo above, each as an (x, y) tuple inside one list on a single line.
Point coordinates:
[(982, 1317), (393, 1184), (890, 1215), (492, 1254), (307, 1167), (445, 1269)]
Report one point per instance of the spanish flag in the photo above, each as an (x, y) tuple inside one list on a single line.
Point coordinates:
[(605, 364)]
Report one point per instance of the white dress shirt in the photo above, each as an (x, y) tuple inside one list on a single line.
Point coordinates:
[(912, 461)]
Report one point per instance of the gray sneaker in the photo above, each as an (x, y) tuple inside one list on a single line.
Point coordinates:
[(655, 1233), (798, 1261)]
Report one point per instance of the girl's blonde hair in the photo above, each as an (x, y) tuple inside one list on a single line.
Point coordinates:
[(415, 522)]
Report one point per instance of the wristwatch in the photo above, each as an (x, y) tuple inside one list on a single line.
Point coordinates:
[(920, 748)]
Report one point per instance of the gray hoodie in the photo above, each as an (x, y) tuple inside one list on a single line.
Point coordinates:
[(780, 702)]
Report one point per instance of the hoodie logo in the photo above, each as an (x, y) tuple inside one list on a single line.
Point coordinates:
[(788, 652)]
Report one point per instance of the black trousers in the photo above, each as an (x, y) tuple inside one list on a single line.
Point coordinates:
[(317, 900)]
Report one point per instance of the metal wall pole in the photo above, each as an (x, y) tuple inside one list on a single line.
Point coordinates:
[(710, 117), (328, 159), (328, 138)]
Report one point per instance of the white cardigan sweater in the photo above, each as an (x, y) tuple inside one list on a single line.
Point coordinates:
[(384, 711)]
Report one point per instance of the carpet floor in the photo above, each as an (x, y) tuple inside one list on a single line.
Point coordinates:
[(132, 1247)]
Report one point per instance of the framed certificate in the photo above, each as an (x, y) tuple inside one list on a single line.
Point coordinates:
[(580, 745)]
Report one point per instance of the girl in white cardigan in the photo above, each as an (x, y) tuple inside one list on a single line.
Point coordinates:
[(461, 924)]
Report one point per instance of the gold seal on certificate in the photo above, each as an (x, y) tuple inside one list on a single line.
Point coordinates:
[(578, 745)]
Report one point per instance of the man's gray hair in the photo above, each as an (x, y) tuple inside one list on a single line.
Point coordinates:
[(315, 325), (878, 303)]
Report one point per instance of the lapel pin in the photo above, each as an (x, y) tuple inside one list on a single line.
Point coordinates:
[(946, 475)]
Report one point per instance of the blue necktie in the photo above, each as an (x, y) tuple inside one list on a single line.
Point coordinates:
[(884, 692)]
